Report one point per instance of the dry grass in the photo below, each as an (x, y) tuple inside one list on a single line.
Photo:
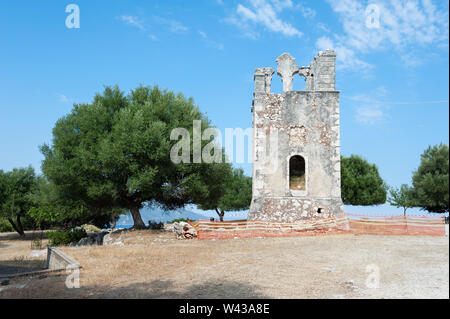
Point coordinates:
[(155, 265), (15, 254)]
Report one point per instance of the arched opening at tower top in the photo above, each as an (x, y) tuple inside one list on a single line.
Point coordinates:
[(297, 176)]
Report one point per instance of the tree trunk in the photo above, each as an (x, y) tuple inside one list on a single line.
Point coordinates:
[(406, 220), (221, 214), (138, 223), (113, 223), (19, 225), (18, 229)]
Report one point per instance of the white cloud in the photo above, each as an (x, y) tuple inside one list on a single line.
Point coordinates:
[(365, 99), (373, 108), (369, 110), (402, 25), (306, 12), (346, 57), (133, 21), (209, 42), (175, 26), (280, 5), (322, 27), (245, 28), (172, 25), (138, 23), (63, 98), (411, 60), (217, 45), (324, 43), (263, 13), (369, 115)]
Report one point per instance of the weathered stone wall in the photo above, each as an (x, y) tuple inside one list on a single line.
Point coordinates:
[(57, 260), (322, 70), (304, 123)]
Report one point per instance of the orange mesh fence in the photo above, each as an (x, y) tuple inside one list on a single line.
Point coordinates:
[(348, 223), (397, 225), (256, 228)]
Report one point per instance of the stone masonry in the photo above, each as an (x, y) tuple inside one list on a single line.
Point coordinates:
[(296, 143)]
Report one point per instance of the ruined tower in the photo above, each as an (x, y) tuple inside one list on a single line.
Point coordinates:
[(296, 143)]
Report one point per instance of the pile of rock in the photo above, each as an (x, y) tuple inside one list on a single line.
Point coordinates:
[(92, 239), (109, 240), (182, 230)]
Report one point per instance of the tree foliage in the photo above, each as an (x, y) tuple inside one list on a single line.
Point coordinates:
[(431, 180), (401, 197), (361, 183), (2, 188), (234, 193), (51, 209), (16, 188), (115, 152)]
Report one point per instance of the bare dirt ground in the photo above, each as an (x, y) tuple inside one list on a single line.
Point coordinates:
[(156, 265), (15, 254)]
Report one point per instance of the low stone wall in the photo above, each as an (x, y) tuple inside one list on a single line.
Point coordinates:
[(58, 260)]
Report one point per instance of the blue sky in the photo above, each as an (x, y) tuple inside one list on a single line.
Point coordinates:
[(393, 78)]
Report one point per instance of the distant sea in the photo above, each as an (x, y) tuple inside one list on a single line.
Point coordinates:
[(156, 214)]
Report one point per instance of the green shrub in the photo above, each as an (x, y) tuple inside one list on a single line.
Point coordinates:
[(65, 237), (91, 228), (155, 225), (5, 226), (36, 243)]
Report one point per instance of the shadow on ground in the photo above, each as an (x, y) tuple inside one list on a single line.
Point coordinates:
[(165, 289), (12, 267), (54, 287), (29, 235)]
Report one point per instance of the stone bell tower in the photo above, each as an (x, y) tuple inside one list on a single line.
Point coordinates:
[(296, 143)]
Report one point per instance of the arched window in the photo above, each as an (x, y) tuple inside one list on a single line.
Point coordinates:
[(297, 177)]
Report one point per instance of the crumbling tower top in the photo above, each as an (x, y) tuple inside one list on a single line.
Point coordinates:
[(319, 75)]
